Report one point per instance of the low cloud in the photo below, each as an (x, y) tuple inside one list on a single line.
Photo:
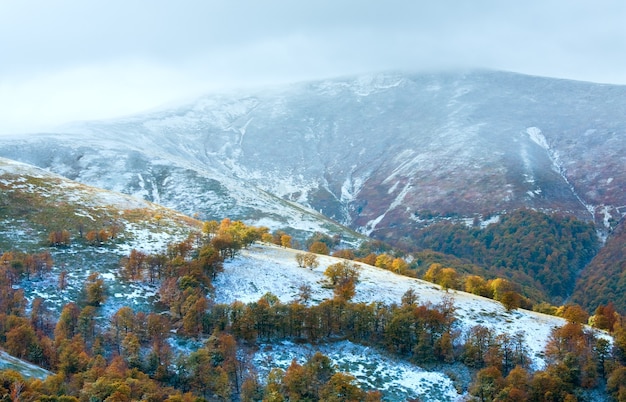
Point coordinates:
[(83, 60)]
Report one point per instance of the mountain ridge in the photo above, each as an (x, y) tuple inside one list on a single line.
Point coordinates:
[(374, 151)]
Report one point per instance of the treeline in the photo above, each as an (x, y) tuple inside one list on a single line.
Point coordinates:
[(578, 360), (15, 264), (95, 237), (466, 276)]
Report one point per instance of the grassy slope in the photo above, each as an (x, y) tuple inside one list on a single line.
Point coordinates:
[(34, 202)]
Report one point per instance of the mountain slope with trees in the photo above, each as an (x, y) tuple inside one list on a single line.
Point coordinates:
[(604, 280), (150, 313), (542, 253)]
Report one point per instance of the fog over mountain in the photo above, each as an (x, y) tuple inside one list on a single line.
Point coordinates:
[(379, 153)]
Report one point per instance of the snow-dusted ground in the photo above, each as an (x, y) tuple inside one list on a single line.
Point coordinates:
[(8, 362), (397, 379), (268, 268)]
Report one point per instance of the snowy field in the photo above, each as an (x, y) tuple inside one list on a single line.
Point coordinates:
[(397, 379), (268, 268)]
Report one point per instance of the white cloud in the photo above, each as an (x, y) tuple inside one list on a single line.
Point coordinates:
[(96, 91), (71, 59)]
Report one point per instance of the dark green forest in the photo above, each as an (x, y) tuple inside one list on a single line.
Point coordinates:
[(543, 253)]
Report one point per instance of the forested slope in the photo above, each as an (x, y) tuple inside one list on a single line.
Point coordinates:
[(543, 253), (604, 279)]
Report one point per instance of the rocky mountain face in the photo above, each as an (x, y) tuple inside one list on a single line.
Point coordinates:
[(380, 154)]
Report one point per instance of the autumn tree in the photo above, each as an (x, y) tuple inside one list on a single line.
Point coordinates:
[(478, 286), (477, 343), (346, 254), (448, 279), (399, 265), (510, 300), (98, 237), (40, 317), (433, 273), (616, 384), (343, 276), (330, 242), (605, 317), (87, 323), (300, 259), (341, 387), (95, 290), (134, 265), (573, 313), (207, 377), (59, 238), (499, 286), (209, 261), (62, 280), (304, 293), (307, 260), (409, 298), (297, 383), (487, 385), (21, 341), (67, 325), (516, 386), (570, 353), (318, 247), (384, 261), (340, 272), (285, 241)]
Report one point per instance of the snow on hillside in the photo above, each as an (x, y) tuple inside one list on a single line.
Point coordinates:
[(15, 174), (369, 151), (397, 379), (267, 268), (8, 362)]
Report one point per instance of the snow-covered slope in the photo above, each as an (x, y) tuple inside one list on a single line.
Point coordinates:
[(375, 152), (267, 268), (34, 202)]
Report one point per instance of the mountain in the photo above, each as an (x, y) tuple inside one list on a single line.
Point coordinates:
[(379, 153)]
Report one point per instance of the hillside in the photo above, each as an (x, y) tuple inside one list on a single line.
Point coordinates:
[(383, 155), (266, 268), (192, 307), (604, 279), (35, 203)]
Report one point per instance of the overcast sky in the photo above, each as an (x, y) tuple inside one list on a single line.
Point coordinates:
[(66, 60)]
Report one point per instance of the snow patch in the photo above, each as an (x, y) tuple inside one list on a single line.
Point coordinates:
[(537, 137), (398, 380)]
